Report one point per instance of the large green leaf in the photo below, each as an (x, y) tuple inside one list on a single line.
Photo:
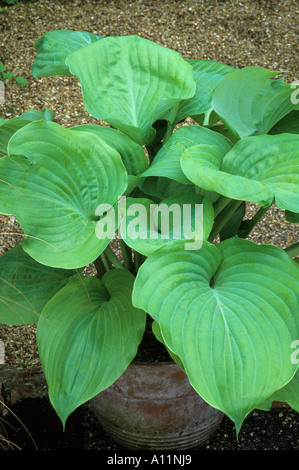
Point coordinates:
[(54, 46), (130, 82), (230, 312), (26, 286), (148, 226), (10, 126), (132, 154), (167, 162), (87, 335), (250, 102), (256, 169), (53, 181)]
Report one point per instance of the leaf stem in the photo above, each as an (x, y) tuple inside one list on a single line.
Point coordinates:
[(248, 225), (220, 204), (293, 250), (100, 267), (105, 261), (223, 217), (113, 258)]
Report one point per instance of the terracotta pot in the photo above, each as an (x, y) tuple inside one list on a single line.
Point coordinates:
[(153, 406)]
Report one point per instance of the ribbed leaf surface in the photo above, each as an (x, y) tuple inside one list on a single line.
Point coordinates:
[(129, 82), (10, 126), (167, 162), (87, 335), (256, 169), (53, 48), (132, 154), (53, 182), (250, 102), (26, 286), (230, 312), (207, 75)]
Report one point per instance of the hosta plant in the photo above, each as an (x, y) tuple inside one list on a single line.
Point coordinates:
[(187, 142)]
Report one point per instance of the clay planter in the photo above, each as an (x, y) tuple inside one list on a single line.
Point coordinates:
[(153, 406)]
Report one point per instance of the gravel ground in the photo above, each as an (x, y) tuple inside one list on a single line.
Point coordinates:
[(238, 33)]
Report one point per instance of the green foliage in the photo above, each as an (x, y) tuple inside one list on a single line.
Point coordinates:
[(14, 2), (227, 312), (20, 80), (10, 2)]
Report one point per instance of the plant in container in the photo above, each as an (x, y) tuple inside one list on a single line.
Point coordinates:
[(181, 147)]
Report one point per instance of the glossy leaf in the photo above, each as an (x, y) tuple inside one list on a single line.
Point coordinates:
[(129, 82), (230, 312), (87, 335), (53, 181), (54, 46), (250, 102), (256, 169), (26, 286)]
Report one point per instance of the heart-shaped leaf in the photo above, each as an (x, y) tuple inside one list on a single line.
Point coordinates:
[(256, 169), (230, 312), (26, 286), (54, 46), (87, 335), (53, 182), (250, 102), (129, 82), (148, 226)]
